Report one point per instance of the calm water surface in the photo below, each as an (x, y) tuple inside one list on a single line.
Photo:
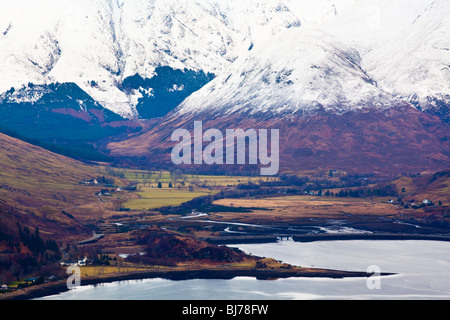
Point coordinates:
[(422, 272)]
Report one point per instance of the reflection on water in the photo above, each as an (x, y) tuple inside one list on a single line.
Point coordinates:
[(422, 272)]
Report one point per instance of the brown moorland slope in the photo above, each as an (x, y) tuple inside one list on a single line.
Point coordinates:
[(434, 187), (386, 143), (36, 186)]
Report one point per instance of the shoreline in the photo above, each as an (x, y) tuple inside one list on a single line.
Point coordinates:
[(326, 237), (54, 288)]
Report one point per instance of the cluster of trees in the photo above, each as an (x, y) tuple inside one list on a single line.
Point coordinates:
[(323, 183), (94, 255), (36, 244), (29, 253), (105, 181), (115, 172), (414, 205), (77, 150), (205, 202), (355, 187), (380, 191), (102, 260), (165, 248)]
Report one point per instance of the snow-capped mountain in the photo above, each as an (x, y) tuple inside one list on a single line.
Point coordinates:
[(347, 55), (297, 72), (416, 67), (401, 47), (354, 84), (103, 42), (106, 41), (404, 45)]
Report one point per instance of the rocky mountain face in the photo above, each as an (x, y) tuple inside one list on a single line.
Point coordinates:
[(107, 41)]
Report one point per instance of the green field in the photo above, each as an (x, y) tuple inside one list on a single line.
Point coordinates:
[(177, 187), (152, 198), (151, 178)]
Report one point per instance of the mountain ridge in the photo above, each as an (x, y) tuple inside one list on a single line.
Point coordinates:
[(301, 72), (106, 41)]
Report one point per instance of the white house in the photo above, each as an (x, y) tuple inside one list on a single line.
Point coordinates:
[(82, 262)]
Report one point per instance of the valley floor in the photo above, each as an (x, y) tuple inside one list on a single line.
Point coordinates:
[(226, 221)]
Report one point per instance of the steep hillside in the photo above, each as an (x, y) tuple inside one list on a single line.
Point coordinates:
[(434, 187), (36, 186), (330, 88), (419, 55), (385, 143)]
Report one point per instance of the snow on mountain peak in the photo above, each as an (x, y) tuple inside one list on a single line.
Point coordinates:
[(298, 71), (416, 64), (402, 46), (108, 40)]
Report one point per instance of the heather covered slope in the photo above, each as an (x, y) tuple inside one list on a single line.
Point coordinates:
[(37, 190), (434, 187), (387, 143), (36, 186)]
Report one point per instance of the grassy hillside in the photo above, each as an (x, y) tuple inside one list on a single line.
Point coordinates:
[(39, 186), (434, 187), (38, 191)]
